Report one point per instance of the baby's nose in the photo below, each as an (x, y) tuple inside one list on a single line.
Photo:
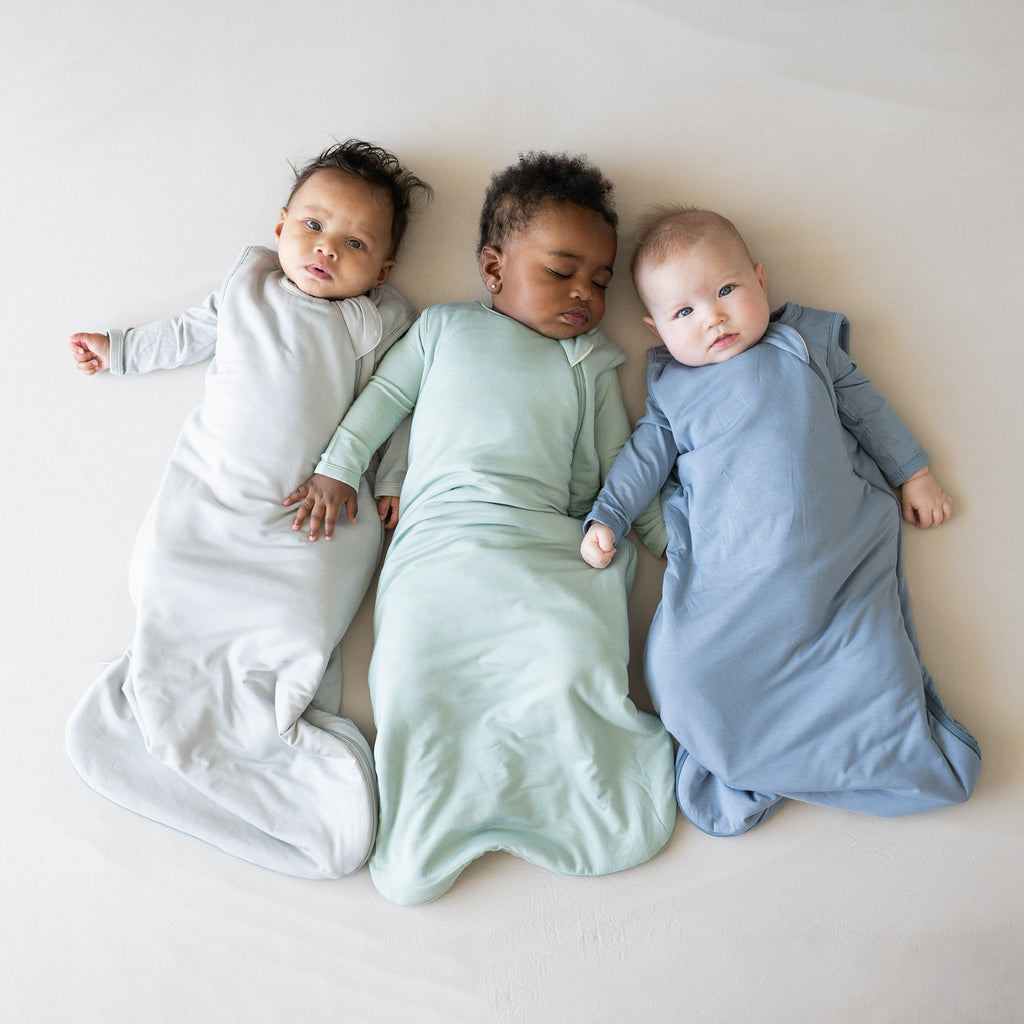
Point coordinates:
[(582, 289)]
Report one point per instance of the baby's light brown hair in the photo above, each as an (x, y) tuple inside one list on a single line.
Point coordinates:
[(668, 230)]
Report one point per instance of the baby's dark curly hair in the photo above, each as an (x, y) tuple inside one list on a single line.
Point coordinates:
[(379, 169), (516, 192)]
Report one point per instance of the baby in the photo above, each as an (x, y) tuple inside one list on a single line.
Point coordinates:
[(221, 719), (498, 678), (783, 655)]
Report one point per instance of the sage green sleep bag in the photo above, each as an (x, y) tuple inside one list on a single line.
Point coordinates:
[(498, 677)]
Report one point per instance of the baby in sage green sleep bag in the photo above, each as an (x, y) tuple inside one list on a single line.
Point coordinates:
[(498, 677)]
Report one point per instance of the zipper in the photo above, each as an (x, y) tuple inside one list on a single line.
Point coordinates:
[(581, 394)]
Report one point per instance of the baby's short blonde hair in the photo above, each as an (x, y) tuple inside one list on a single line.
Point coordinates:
[(669, 230)]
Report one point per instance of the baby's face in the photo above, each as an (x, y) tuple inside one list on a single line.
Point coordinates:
[(334, 237), (552, 275), (708, 303)]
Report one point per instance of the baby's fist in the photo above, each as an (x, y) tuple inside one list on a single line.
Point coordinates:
[(598, 547), (91, 352)]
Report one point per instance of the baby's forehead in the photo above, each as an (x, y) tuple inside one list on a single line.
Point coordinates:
[(332, 186), (685, 254)]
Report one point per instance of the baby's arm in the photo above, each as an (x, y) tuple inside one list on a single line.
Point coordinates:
[(886, 438), (370, 420), (633, 474), (389, 468), (598, 547), (924, 501), (164, 344), (91, 352)]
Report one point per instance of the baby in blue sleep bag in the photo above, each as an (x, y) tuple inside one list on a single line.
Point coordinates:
[(783, 655)]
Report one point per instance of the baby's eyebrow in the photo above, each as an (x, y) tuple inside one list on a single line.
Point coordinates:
[(574, 256), (671, 308)]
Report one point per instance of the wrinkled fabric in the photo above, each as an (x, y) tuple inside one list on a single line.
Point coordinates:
[(783, 655), (498, 677), (221, 720)]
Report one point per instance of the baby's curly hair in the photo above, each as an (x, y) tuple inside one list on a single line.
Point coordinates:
[(516, 192), (379, 169)]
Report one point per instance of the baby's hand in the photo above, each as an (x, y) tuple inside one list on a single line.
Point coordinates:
[(598, 547), (924, 502), (91, 352), (387, 509), (322, 498)]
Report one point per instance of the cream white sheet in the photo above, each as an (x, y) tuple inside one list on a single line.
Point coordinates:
[(871, 152)]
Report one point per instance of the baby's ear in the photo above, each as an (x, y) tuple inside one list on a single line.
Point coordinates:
[(280, 222), (490, 263), (762, 277), (650, 326)]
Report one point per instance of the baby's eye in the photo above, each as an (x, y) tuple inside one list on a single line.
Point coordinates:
[(355, 243), (726, 291), (564, 277), (314, 225), (603, 285), (685, 311)]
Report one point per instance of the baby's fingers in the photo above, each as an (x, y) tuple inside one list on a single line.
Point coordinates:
[(930, 515), (297, 495), (939, 513), (304, 510), (315, 520), (351, 508), (594, 555), (330, 519), (84, 359)]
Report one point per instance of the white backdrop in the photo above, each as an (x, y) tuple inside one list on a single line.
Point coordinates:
[(871, 153)]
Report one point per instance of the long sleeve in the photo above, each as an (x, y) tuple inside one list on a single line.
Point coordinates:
[(605, 426), (388, 398), (175, 341), (863, 412), (872, 421), (392, 462), (389, 464), (632, 486)]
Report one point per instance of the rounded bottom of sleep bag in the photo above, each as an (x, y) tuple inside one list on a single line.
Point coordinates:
[(108, 752), (714, 807)]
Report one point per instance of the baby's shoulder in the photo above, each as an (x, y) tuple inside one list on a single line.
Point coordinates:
[(387, 297), (259, 258), (252, 265), (821, 329), (658, 360), (449, 312)]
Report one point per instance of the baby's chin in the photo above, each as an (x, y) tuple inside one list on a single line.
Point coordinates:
[(566, 332), (329, 294)]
